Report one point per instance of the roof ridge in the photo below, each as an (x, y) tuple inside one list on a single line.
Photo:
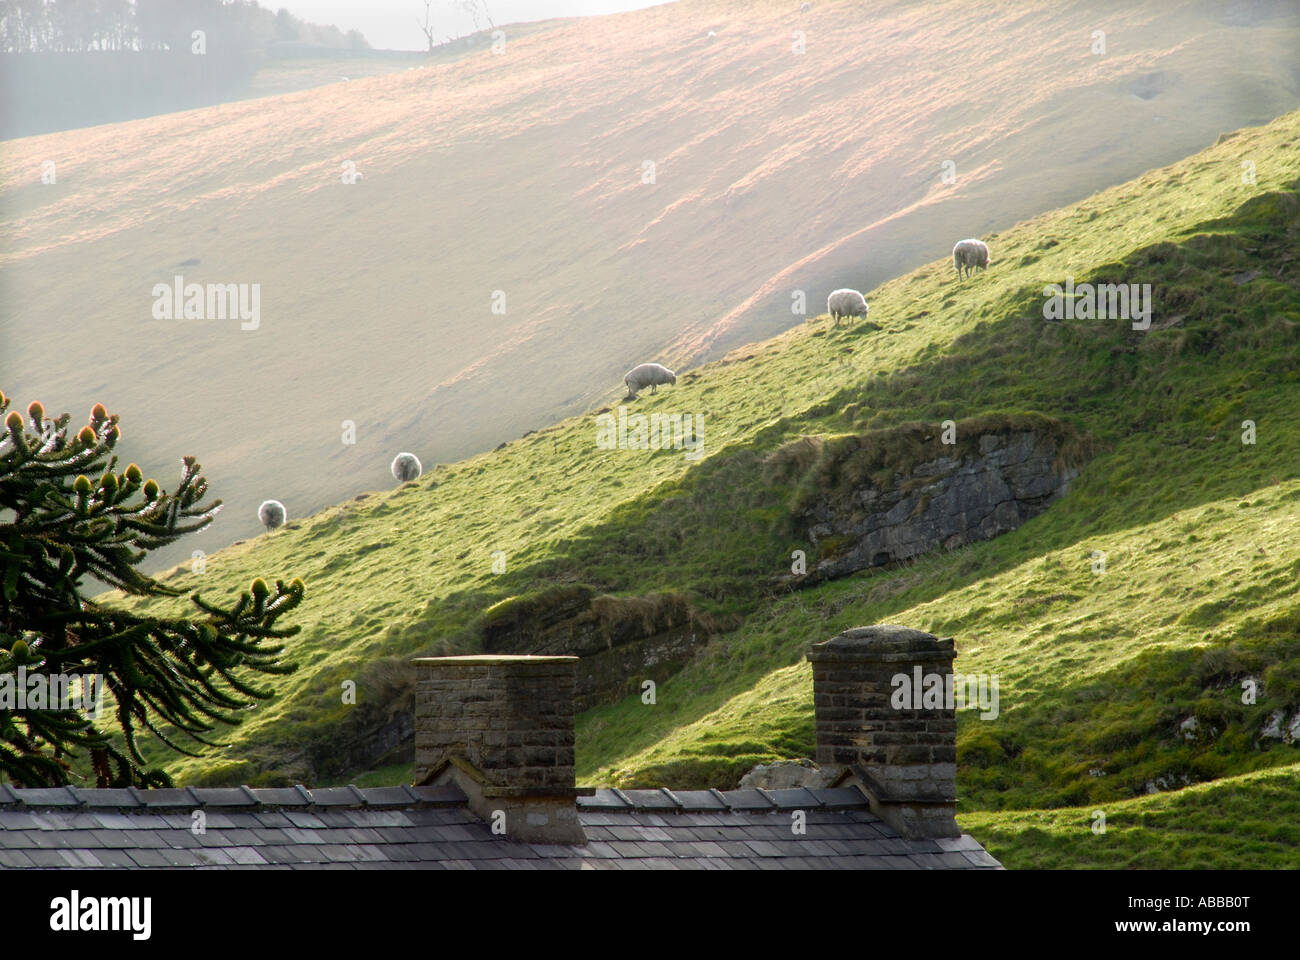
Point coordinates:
[(69, 797), (749, 800), (713, 800)]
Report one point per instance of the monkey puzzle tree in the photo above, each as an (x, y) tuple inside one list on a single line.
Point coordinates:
[(166, 674)]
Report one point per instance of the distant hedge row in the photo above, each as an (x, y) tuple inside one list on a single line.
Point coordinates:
[(44, 92)]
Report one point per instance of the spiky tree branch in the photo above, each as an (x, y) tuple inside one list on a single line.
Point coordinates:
[(167, 675)]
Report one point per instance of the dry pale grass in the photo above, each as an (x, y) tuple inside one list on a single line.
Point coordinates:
[(522, 173)]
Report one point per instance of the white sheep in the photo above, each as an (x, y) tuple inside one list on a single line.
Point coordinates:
[(970, 254), (272, 514), (407, 467), (648, 375), (846, 303)]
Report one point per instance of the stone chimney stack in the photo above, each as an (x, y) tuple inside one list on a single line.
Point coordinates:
[(872, 718), (501, 729)]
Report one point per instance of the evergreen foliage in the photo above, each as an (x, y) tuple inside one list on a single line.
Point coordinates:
[(60, 531)]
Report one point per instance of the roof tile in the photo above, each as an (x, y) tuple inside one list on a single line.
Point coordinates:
[(182, 858), (337, 817), (388, 797), (336, 797), (114, 821), (747, 800), (379, 818), (115, 858), (981, 858), (181, 839), (47, 858), (147, 857), (438, 817), (225, 797), (13, 858), (144, 839), (764, 848), (273, 818), (18, 820), (305, 820), (695, 800), (106, 797), (439, 795), (600, 850), (169, 797), (839, 798), (799, 798), (245, 855), (41, 839), (281, 796), (604, 799), (650, 800), (47, 797)]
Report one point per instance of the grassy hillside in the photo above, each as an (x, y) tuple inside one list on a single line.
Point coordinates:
[(775, 171), (289, 75), (1097, 670), (1245, 822)]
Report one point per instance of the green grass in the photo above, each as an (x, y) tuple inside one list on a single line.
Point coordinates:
[(1240, 823), (1096, 670)]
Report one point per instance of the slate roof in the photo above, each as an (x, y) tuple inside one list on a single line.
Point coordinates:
[(431, 828)]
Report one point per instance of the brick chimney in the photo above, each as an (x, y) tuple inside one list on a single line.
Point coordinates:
[(901, 749), (501, 729)]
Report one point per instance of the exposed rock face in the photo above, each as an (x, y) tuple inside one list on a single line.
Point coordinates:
[(1279, 727), (948, 502), (622, 641), (377, 732), (1170, 782), (788, 775)]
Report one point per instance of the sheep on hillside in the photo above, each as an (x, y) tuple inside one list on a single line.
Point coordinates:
[(647, 375), (846, 303), (970, 254), (407, 467), (272, 514)]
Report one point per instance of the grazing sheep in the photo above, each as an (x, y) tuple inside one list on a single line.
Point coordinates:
[(970, 254), (272, 514), (406, 467), (648, 375), (846, 303)]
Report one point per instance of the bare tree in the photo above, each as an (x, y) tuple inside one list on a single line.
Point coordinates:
[(472, 8), (427, 26), (477, 10)]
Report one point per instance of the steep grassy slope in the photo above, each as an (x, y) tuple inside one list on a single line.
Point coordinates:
[(1245, 822), (775, 171), (1096, 671)]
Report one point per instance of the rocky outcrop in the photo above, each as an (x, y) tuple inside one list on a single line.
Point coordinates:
[(1281, 727), (622, 641), (989, 486), (789, 774)]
